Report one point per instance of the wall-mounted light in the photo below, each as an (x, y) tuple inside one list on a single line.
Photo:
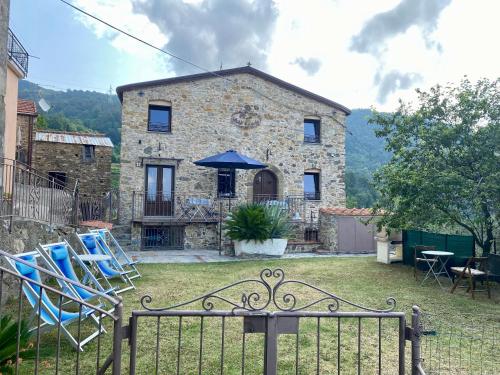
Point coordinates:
[(138, 163)]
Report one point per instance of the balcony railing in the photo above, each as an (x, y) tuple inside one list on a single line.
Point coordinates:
[(208, 208), (17, 53)]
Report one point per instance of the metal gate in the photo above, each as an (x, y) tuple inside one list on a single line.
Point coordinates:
[(262, 325)]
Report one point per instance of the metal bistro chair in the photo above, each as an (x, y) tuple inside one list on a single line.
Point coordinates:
[(477, 268), (417, 257)]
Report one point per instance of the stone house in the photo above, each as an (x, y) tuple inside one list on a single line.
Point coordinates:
[(26, 122), (170, 123), (68, 156)]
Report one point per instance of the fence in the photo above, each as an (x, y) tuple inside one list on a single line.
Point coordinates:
[(461, 246), (26, 194), (452, 347)]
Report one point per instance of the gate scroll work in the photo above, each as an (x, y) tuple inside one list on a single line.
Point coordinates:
[(265, 325)]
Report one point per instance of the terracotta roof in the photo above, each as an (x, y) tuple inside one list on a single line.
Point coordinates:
[(228, 72), (342, 211), (26, 107)]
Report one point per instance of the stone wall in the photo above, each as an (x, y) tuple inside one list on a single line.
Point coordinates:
[(94, 177), (24, 123), (328, 231), (27, 234), (212, 115)]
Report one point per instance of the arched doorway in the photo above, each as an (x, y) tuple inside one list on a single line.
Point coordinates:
[(265, 186)]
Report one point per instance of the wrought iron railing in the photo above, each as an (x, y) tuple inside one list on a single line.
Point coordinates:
[(17, 53), (26, 194)]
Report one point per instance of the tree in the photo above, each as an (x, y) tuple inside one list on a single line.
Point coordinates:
[(445, 165)]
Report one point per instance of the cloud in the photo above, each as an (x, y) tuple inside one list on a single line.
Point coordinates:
[(383, 26), (378, 30), (392, 81), (310, 65), (213, 32)]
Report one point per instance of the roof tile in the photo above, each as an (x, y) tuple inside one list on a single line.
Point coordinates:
[(26, 107)]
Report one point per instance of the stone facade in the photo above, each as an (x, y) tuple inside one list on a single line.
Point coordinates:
[(94, 176), (26, 122), (212, 115)]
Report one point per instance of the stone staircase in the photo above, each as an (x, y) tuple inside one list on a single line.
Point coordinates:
[(123, 235)]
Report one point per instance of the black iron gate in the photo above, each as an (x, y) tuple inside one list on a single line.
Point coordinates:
[(270, 329)]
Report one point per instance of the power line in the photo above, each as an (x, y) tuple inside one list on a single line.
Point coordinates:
[(196, 65)]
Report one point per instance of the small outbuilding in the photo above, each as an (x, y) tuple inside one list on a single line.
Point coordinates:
[(347, 230), (67, 157)]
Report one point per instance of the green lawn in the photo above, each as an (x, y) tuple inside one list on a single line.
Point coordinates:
[(360, 280)]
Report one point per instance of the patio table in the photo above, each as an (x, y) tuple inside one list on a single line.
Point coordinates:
[(94, 257), (438, 266)]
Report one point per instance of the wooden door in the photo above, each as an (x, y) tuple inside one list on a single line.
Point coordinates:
[(159, 191), (265, 186)]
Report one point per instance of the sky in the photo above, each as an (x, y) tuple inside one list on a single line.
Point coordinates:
[(360, 53)]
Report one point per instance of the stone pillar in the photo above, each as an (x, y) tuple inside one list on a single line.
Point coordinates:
[(328, 230)]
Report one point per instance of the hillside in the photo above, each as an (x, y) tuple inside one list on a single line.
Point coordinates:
[(79, 110)]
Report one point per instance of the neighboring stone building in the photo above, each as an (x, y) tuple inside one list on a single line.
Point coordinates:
[(168, 124), (26, 121), (67, 157)]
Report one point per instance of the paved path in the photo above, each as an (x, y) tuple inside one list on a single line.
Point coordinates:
[(207, 256)]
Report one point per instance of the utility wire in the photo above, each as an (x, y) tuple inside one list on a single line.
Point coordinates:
[(196, 65)]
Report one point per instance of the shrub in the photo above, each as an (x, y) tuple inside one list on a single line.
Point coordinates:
[(258, 222), (8, 343), (279, 222)]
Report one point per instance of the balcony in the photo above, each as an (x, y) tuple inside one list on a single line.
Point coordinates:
[(16, 52)]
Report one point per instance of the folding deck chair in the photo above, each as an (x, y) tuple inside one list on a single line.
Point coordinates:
[(106, 268), (40, 302), (58, 257), (113, 248)]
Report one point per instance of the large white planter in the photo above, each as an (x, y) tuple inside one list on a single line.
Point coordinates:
[(272, 247)]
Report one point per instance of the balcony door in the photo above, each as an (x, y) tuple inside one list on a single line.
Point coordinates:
[(159, 200), (265, 186)]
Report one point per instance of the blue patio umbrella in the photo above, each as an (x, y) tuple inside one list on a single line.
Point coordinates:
[(229, 160)]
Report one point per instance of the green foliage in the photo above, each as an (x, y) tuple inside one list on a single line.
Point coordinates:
[(364, 154), (279, 222), (8, 343), (248, 222), (359, 190), (77, 110), (445, 165), (258, 222)]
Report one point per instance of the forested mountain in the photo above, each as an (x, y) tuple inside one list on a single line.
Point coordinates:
[(77, 110), (364, 154)]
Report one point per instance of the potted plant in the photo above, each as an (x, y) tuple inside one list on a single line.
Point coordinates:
[(257, 229)]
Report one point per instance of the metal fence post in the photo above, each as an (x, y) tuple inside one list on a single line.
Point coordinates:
[(51, 203), (117, 339), (271, 353), (416, 366)]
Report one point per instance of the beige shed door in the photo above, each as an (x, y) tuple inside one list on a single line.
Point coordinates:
[(354, 236)]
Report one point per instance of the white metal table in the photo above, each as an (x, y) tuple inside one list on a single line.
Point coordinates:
[(94, 257), (436, 260)]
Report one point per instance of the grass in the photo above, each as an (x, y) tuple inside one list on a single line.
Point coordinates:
[(360, 280)]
